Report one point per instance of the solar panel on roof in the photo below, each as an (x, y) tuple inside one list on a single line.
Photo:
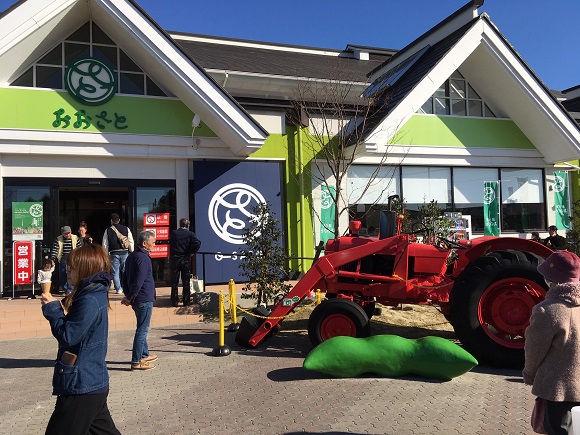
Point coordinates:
[(390, 77)]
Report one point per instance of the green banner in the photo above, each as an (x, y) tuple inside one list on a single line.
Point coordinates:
[(491, 208), (327, 213), (561, 200), (27, 220)]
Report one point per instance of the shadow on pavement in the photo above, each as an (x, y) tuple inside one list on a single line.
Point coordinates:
[(322, 433), (14, 363)]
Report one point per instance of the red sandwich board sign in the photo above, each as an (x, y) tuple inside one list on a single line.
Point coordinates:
[(23, 253), (158, 224), (155, 219)]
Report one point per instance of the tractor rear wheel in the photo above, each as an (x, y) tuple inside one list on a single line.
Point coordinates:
[(336, 317), (491, 304)]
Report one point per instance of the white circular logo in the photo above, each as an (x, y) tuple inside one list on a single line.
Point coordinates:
[(35, 210), (90, 81), (326, 200), (559, 184), (229, 211), (488, 195)]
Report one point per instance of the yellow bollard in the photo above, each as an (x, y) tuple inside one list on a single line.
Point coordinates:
[(234, 326), (222, 349), (318, 297)]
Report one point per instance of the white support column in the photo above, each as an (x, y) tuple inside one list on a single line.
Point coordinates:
[(182, 189)]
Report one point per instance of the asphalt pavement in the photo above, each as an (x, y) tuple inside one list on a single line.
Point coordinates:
[(262, 391)]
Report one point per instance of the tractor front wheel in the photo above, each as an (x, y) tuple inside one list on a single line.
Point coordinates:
[(336, 317), (491, 304)]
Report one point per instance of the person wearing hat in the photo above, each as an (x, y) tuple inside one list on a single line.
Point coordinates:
[(63, 245), (552, 342), (554, 240)]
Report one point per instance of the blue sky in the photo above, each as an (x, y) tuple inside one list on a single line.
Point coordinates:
[(542, 31)]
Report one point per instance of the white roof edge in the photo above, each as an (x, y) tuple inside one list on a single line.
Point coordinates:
[(480, 33), (198, 91), (255, 44), (431, 39)]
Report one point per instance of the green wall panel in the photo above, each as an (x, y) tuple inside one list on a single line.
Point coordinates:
[(461, 132), (34, 109)]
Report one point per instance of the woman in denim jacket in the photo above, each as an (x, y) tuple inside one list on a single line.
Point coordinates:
[(81, 325)]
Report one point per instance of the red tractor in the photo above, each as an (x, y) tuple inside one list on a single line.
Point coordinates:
[(485, 287)]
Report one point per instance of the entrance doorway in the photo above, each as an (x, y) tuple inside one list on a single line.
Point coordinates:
[(94, 206)]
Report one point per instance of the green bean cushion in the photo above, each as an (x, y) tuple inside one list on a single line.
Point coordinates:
[(390, 356)]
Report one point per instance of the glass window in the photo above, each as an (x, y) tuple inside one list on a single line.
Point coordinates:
[(441, 106), (423, 184), (458, 108), (522, 199), (456, 97), (100, 37), (54, 57), (107, 55), (371, 184), (153, 89), (83, 34), (49, 77), (427, 107), (156, 200), (130, 83), (75, 51), (488, 112), (26, 79), (443, 91), (127, 64), (475, 108), (83, 44), (468, 192), (457, 88)]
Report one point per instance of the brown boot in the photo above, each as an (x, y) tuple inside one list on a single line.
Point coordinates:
[(143, 365)]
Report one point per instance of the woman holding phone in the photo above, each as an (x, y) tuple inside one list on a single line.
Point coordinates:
[(80, 323)]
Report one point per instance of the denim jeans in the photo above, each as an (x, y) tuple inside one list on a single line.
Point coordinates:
[(118, 259), (62, 276), (143, 313)]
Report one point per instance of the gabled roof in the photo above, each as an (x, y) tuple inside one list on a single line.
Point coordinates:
[(31, 27), (238, 55), (487, 60)]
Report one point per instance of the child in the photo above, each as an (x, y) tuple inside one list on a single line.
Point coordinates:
[(44, 276)]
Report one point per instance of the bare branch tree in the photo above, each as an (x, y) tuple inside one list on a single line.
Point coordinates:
[(340, 117)]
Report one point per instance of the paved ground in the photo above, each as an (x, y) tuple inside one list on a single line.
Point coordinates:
[(264, 391)]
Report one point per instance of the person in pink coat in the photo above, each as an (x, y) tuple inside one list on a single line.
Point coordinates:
[(552, 346)]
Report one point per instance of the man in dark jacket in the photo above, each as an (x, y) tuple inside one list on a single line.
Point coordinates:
[(554, 240), (139, 290), (182, 245)]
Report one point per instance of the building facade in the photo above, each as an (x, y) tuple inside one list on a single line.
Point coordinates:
[(103, 111)]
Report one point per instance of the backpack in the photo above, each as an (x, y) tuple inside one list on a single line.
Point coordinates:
[(123, 240)]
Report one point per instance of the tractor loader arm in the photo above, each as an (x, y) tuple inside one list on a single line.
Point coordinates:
[(325, 268)]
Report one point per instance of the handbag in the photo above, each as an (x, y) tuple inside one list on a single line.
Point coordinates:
[(538, 413), (196, 284)]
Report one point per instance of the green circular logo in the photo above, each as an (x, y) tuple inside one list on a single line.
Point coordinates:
[(90, 81)]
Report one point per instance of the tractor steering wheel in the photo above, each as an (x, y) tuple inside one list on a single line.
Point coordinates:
[(451, 243)]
